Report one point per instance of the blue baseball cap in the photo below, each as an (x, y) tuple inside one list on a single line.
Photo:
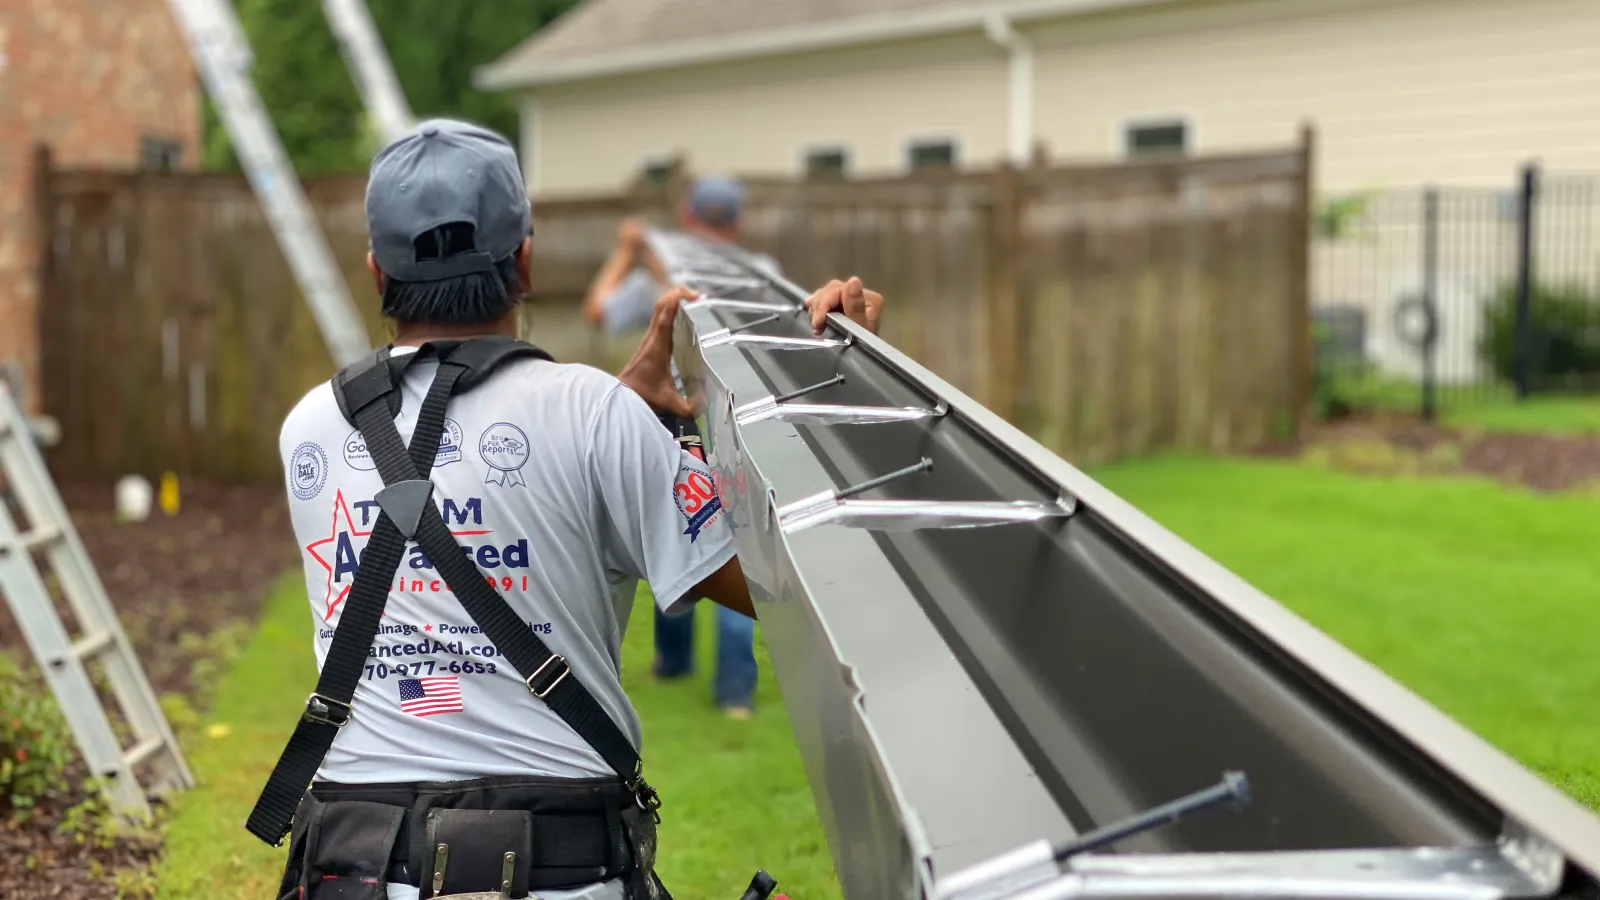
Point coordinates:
[(443, 172), (716, 200)]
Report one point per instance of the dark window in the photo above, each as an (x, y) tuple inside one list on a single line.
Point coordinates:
[(932, 154), (657, 172), (825, 164), (1158, 139), (159, 154)]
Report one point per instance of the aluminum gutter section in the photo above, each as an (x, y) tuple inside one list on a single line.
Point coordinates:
[(961, 693), (1519, 795), (871, 687), (509, 73)]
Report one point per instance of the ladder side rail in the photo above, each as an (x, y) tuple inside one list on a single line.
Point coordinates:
[(221, 55), (30, 481), (47, 640), (369, 66)]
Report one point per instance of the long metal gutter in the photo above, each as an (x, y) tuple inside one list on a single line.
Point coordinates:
[(989, 656)]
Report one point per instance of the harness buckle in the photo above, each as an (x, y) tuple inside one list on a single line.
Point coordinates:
[(322, 710), (645, 795), (555, 659)]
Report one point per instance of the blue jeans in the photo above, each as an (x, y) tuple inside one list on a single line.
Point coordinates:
[(735, 683)]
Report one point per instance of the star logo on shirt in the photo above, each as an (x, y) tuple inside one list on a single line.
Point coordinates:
[(337, 552), (330, 603)]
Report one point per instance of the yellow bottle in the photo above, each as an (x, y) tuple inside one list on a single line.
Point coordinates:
[(169, 493)]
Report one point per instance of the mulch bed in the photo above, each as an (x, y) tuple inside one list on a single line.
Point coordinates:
[(1542, 463), (179, 585), (1408, 444)]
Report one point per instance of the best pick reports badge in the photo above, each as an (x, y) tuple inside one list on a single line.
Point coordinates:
[(504, 449)]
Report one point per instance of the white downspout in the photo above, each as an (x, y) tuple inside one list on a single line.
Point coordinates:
[(529, 149), (1020, 100)]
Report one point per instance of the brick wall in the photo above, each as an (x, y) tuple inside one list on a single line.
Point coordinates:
[(92, 79)]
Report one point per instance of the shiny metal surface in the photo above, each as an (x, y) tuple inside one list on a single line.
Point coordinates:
[(828, 414), (960, 692), (831, 652), (770, 341), (1423, 873), (911, 515)]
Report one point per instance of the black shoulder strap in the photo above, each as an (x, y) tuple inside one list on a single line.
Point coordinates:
[(375, 374), (480, 357), (408, 513), (363, 381)]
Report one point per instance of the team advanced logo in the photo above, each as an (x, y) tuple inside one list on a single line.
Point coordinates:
[(504, 448), (338, 554), (696, 495), (356, 455)]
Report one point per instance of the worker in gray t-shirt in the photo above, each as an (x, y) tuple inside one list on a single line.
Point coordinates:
[(622, 294), (620, 299)]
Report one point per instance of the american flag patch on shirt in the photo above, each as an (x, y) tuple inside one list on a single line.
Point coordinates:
[(430, 696)]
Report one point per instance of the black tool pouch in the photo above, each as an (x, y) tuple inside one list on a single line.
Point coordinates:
[(477, 851), (640, 880), (340, 850)]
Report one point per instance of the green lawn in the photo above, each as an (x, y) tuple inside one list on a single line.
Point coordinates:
[(735, 795), (1476, 407), (1483, 599), (1536, 415)]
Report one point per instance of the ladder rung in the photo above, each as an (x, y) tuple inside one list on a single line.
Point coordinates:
[(38, 537), (142, 751), (91, 644)]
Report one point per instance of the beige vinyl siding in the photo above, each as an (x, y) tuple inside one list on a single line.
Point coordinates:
[(1402, 92), (759, 117)]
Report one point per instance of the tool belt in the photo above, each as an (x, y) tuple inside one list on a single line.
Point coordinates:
[(331, 830), (500, 835)]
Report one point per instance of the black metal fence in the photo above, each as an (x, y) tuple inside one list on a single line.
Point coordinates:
[(1446, 296)]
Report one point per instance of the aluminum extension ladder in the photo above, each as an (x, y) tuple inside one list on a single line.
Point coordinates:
[(369, 66), (64, 660), (221, 53)]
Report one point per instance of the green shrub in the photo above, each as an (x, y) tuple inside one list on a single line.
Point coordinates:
[(1332, 374), (35, 744), (1566, 332)]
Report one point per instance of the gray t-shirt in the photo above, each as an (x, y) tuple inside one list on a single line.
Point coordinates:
[(628, 307), (566, 490)]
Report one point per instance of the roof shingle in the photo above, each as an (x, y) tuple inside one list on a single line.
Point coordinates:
[(604, 27)]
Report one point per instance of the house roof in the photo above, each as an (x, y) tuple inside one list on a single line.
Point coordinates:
[(599, 38)]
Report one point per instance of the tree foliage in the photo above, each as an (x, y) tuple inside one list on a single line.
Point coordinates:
[(433, 45)]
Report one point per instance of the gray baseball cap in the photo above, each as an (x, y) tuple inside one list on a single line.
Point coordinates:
[(716, 199), (445, 171)]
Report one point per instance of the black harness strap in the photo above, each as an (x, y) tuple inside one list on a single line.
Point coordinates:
[(407, 513)]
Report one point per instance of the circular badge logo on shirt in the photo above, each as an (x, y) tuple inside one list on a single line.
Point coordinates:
[(504, 448), (355, 453), (308, 470), (450, 444)]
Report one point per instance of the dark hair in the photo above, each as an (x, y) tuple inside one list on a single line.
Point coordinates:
[(473, 299)]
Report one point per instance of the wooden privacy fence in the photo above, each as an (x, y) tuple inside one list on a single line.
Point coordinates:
[(1109, 310)]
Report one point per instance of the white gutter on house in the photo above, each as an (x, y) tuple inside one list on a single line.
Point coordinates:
[(1019, 98), (506, 74)]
